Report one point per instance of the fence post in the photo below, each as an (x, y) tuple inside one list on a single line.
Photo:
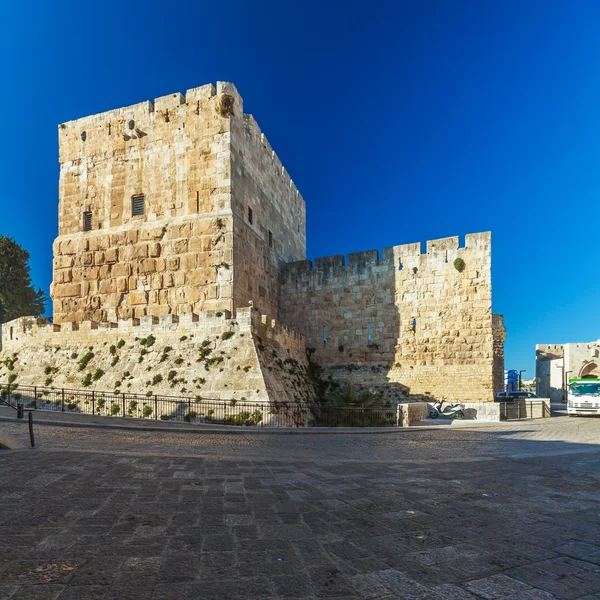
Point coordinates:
[(155, 407), (35, 397), (93, 403), (189, 406), (62, 400), (123, 403)]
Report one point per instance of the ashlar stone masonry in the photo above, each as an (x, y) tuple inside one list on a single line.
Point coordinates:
[(177, 210)]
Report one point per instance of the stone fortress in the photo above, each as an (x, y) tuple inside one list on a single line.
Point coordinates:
[(178, 222)]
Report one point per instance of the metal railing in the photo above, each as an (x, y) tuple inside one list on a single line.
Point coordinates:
[(524, 409), (196, 410)]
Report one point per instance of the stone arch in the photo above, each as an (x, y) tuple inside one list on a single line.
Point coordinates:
[(590, 369)]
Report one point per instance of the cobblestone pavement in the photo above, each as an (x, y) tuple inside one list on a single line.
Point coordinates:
[(509, 511)]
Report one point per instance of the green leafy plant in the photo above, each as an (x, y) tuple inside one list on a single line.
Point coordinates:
[(459, 264), (115, 409), (157, 379), (113, 349), (192, 414), (85, 359), (87, 381), (183, 338), (120, 343), (114, 361), (227, 334), (148, 341), (146, 411), (48, 381), (97, 374), (74, 355)]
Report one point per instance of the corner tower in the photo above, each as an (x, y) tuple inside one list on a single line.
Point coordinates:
[(172, 207)]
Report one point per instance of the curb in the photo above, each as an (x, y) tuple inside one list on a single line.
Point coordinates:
[(241, 430)]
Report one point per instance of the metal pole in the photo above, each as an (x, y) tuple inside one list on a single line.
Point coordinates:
[(62, 400), (123, 403), (93, 403), (35, 397), (30, 417), (155, 407)]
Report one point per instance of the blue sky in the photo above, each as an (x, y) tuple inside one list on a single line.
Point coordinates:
[(398, 121)]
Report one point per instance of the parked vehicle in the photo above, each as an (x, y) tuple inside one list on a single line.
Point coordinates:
[(450, 411), (584, 397)]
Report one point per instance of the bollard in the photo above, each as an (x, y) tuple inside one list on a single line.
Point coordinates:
[(19, 411), (30, 417)]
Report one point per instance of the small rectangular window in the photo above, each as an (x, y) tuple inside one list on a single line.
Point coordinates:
[(87, 221), (250, 215), (137, 205), (270, 238)]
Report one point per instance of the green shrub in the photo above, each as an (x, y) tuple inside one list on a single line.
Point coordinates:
[(101, 403), (114, 361), (178, 361), (171, 375), (120, 343), (146, 411), (183, 338), (85, 359), (115, 409), (157, 379), (74, 355), (218, 314), (227, 334), (118, 384), (87, 381), (97, 374), (148, 341), (113, 349), (133, 405), (12, 377), (190, 415), (48, 381), (459, 265)]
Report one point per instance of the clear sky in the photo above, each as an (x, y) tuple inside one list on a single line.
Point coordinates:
[(399, 122)]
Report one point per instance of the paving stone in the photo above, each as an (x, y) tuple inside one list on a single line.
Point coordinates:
[(38, 592), (496, 586)]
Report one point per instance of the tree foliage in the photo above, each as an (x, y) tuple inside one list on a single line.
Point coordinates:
[(18, 297)]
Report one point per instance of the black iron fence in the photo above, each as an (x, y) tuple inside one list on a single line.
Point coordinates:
[(524, 409), (196, 410)]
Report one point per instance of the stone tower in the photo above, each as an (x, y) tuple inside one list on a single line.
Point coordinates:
[(177, 206)]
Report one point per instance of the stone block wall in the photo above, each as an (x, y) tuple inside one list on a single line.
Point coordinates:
[(499, 334), (408, 323), (210, 355), (200, 164)]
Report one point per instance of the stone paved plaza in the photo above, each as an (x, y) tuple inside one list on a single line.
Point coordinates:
[(508, 511)]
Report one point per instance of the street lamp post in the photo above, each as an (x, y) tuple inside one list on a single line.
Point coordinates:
[(566, 379), (522, 371)]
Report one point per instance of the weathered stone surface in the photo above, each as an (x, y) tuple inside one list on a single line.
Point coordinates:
[(224, 227)]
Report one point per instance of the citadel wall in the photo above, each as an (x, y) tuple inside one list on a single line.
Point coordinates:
[(408, 324), (210, 355), (200, 164), (269, 217)]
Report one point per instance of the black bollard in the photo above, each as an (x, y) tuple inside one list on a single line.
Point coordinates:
[(30, 417), (19, 411)]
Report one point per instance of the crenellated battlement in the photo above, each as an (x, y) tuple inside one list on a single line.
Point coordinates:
[(438, 252), (38, 330)]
